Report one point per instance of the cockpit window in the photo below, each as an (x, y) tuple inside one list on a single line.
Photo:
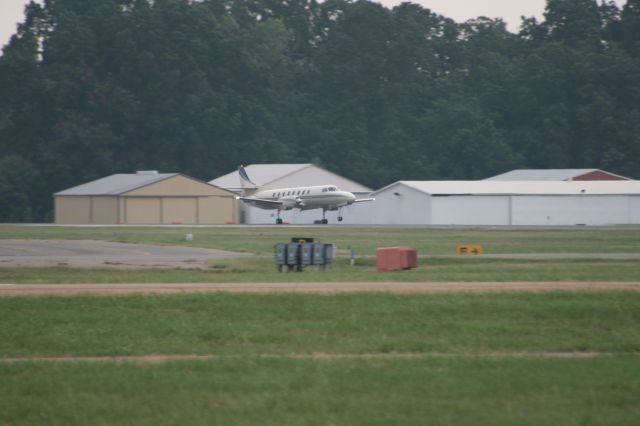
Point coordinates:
[(333, 188), (324, 189)]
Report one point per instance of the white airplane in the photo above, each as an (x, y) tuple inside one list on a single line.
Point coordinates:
[(325, 197)]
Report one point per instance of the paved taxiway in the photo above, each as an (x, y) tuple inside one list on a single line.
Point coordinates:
[(90, 253)]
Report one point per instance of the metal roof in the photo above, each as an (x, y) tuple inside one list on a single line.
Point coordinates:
[(260, 174), (116, 184), (484, 187), (546, 174), (268, 175)]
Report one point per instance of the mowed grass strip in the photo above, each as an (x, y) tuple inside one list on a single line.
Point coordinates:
[(364, 240), (264, 270), (245, 324), (441, 391)]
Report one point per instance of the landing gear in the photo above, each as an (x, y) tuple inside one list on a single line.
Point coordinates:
[(324, 220), (278, 220), (340, 215), (339, 218)]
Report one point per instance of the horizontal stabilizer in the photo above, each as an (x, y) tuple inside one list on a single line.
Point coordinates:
[(361, 200)]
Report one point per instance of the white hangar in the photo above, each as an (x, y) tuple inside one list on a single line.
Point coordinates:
[(536, 203), (291, 175)]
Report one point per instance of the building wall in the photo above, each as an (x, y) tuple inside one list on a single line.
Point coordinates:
[(634, 209), (470, 210), (182, 200), (417, 208), (104, 210), (179, 210), (179, 200), (72, 209), (218, 210), (571, 210), (409, 207), (142, 210), (84, 210)]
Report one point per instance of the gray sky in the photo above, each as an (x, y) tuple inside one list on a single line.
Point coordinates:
[(11, 11)]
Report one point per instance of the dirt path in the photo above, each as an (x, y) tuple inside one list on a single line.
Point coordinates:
[(157, 358), (317, 288)]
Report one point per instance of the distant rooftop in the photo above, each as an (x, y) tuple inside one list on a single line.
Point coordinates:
[(117, 184), (557, 175), (268, 175), (260, 174), (484, 187)]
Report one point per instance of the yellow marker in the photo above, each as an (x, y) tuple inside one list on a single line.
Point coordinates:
[(469, 249)]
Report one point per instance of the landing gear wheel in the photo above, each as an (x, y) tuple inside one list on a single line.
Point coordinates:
[(278, 221), (339, 218), (325, 221)]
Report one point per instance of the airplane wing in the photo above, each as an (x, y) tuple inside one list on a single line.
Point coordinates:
[(361, 200), (261, 202)]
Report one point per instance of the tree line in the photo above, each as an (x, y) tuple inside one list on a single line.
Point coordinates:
[(94, 87)]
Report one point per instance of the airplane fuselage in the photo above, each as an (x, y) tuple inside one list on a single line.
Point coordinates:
[(327, 197)]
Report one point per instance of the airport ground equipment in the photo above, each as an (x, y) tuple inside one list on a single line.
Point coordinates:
[(396, 258), (469, 249), (301, 252)]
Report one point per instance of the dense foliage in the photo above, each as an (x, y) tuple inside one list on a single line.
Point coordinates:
[(94, 87)]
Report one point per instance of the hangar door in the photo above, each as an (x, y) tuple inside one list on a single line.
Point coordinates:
[(165, 210), (180, 210), (142, 210), (470, 210)]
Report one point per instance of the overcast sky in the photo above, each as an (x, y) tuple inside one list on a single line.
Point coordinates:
[(11, 11)]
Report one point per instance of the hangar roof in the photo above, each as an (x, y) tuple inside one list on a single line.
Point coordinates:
[(287, 175), (552, 174), (117, 184), (484, 187)]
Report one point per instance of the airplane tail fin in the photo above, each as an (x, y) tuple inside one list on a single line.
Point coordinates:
[(245, 182)]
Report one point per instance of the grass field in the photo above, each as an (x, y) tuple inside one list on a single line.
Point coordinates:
[(463, 387), (475, 358), (284, 323), (602, 391), (264, 270), (364, 240), (434, 245)]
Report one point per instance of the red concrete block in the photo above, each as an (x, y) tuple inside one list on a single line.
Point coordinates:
[(395, 258)]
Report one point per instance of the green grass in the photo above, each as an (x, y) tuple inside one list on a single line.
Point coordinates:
[(364, 240), (244, 388), (281, 324), (264, 270), (303, 392)]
